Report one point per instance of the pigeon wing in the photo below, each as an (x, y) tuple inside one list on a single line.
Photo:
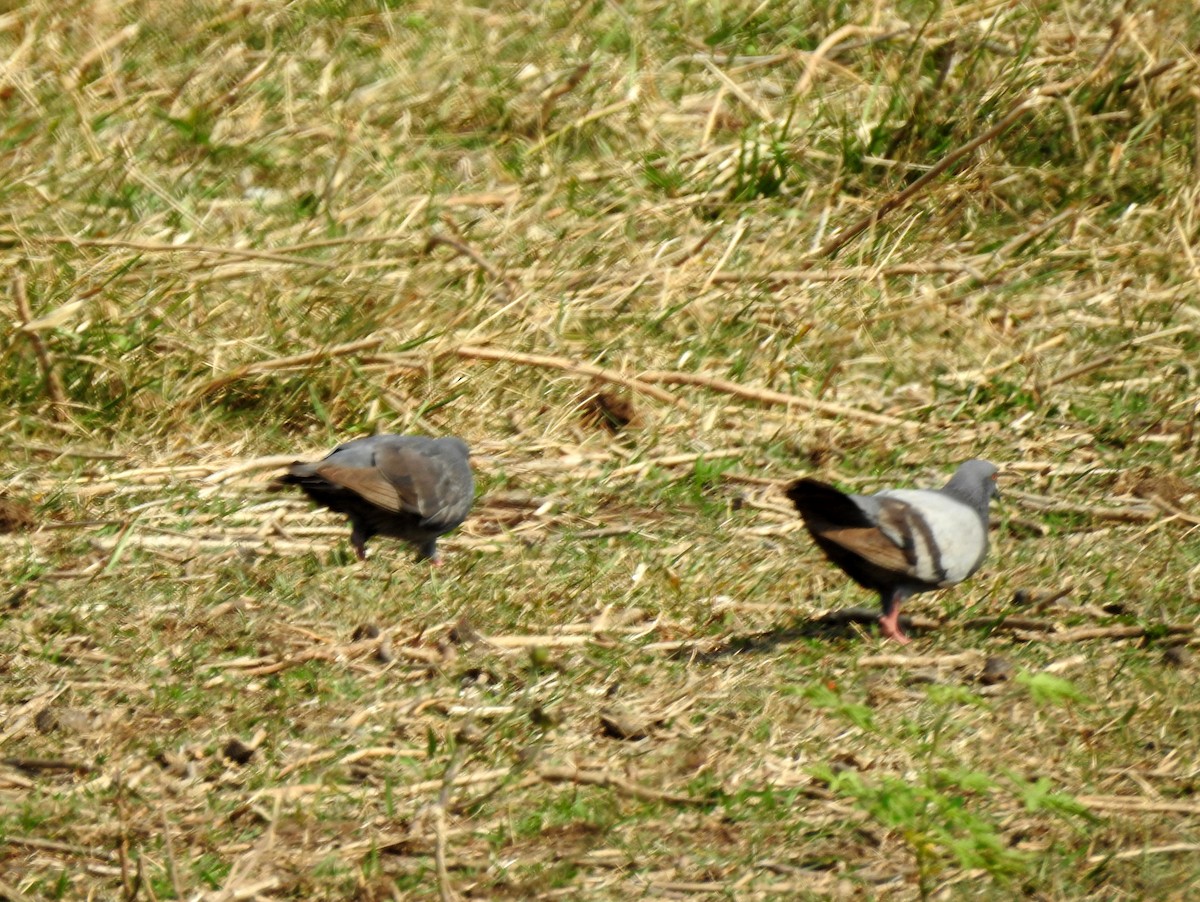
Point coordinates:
[(421, 480), (852, 524), (369, 483), (870, 544)]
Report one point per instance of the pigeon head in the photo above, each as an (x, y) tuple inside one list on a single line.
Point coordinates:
[(974, 483), (458, 444)]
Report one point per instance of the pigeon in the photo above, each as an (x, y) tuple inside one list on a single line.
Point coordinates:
[(902, 541), (407, 486)]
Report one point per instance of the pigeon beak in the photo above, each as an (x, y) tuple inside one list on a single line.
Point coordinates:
[(996, 493)]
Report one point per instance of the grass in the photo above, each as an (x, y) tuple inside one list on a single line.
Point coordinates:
[(216, 239)]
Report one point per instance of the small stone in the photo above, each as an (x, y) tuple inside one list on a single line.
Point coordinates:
[(995, 670), (364, 631), (68, 720), (463, 632), (1178, 656), (177, 765), (620, 724), (15, 516), (469, 734), (237, 751), (542, 718), (921, 678)]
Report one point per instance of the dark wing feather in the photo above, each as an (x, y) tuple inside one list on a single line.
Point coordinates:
[(849, 536)]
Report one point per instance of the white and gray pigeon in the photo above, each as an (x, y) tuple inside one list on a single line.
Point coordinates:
[(900, 542), (406, 486)]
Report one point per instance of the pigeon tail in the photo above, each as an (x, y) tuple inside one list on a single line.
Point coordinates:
[(818, 501)]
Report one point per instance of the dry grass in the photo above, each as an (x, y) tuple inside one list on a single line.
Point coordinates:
[(649, 260)]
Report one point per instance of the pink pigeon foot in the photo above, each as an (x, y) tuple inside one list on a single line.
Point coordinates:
[(889, 625)]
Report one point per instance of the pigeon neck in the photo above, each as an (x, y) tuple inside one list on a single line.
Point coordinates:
[(970, 492)]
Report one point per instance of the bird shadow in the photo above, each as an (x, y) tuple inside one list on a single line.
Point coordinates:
[(845, 624)]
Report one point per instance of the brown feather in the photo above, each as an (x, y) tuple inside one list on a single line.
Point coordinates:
[(370, 484), (870, 544)]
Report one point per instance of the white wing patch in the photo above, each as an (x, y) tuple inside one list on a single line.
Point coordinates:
[(959, 537)]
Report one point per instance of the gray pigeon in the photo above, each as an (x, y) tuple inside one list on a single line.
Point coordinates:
[(902, 541), (407, 486)]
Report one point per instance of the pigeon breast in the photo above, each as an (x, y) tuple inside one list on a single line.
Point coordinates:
[(944, 540)]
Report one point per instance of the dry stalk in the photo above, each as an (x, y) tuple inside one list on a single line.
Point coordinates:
[(846, 274), (828, 408), (307, 359), (570, 366), (11, 893), (1144, 851), (504, 289), (1137, 805), (962, 659), (446, 891), (1015, 114), (611, 781), (162, 248), (54, 384), (169, 847), (1121, 632)]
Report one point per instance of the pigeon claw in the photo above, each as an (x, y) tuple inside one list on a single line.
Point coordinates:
[(889, 625)]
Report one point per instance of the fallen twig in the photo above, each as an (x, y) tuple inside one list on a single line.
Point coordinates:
[(784, 276), (51, 845), (282, 363), (962, 659), (570, 366), (1136, 803), (547, 641), (1012, 623), (769, 396), (33, 765), (1054, 506), (161, 247), (852, 231), (1121, 632), (627, 787), (503, 288), (1127, 854)]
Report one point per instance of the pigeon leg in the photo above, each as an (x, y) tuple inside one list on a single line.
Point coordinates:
[(358, 538), (889, 622), (427, 551)]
